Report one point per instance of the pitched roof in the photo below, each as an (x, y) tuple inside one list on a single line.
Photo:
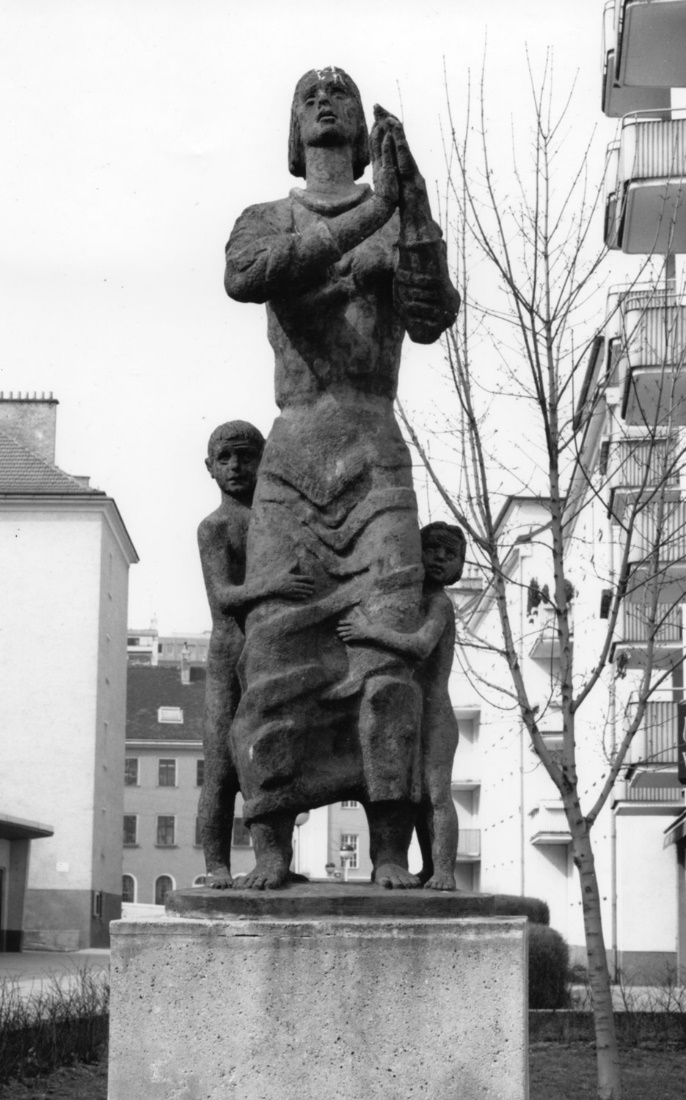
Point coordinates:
[(150, 688), (24, 472)]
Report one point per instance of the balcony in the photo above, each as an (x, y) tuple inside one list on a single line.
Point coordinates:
[(549, 824), (618, 100), (655, 741), (469, 846), (545, 645), (647, 195), (634, 633), (640, 464), (652, 357), (659, 539), (650, 43)]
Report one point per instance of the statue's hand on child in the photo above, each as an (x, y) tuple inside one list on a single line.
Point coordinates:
[(355, 627)]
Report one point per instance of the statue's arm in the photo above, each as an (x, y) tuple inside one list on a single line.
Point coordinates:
[(264, 258), (227, 597), (424, 295), (416, 645)]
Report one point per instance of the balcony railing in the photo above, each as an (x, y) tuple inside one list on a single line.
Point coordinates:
[(638, 463), (650, 43), (636, 626), (469, 844), (660, 528), (655, 741)]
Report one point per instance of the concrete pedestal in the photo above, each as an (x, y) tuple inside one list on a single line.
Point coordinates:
[(300, 1007)]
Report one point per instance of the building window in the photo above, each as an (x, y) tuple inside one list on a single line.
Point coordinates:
[(199, 773), (350, 843), (200, 880), (349, 805), (130, 830), (170, 714), (166, 831), (131, 771), (163, 887), (241, 834), (133, 641), (166, 773), (128, 888), (198, 833)]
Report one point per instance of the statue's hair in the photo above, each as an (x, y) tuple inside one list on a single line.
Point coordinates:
[(296, 149), (446, 533), (235, 431)]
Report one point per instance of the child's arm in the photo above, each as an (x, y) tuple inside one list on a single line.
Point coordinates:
[(228, 597), (358, 628)]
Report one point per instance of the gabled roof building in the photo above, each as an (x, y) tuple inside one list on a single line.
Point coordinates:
[(65, 555)]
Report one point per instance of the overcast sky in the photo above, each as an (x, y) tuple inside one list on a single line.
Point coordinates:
[(133, 133)]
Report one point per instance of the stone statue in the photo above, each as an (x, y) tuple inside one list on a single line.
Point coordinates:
[(234, 451), (433, 644), (345, 271)]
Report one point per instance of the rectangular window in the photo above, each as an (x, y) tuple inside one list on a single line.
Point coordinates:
[(199, 773), (198, 834), (349, 849), (170, 714), (130, 830), (166, 831), (131, 771), (166, 773), (349, 805), (241, 834)]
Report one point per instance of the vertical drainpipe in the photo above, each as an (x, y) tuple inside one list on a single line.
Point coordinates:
[(612, 720), (522, 730)]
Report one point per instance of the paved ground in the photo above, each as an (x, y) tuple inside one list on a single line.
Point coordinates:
[(32, 971)]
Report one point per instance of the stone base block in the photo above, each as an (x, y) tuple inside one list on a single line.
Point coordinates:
[(351, 1008)]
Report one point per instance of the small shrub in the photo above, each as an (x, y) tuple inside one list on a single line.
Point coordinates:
[(64, 1022), (548, 965), (511, 905)]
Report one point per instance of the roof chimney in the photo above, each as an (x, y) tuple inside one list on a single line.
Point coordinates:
[(31, 419)]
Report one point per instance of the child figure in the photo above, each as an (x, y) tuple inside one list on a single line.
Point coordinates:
[(234, 451), (443, 555)]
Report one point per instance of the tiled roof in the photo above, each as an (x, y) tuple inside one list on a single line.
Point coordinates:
[(22, 471), (151, 688)]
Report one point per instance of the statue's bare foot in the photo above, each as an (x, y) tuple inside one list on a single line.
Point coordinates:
[(219, 878), (269, 876), (394, 877), (293, 876), (441, 880)]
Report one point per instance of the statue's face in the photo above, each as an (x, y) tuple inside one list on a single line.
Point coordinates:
[(233, 465), (327, 110), (443, 561)]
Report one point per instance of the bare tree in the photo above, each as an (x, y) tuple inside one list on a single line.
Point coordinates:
[(525, 336)]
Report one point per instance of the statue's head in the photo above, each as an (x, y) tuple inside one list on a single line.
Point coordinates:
[(234, 451), (328, 107), (444, 548)]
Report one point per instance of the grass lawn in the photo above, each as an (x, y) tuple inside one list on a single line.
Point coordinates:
[(557, 1073), (569, 1073)]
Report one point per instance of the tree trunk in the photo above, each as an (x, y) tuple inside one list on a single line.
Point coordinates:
[(607, 1053)]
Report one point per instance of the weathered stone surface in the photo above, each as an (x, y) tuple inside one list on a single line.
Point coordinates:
[(327, 899), (297, 1009), (345, 271)]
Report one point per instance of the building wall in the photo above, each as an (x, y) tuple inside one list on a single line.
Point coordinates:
[(647, 875), (50, 591), (110, 727)]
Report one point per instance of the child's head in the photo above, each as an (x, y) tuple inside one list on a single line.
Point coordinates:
[(234, 451), (444, 547)]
